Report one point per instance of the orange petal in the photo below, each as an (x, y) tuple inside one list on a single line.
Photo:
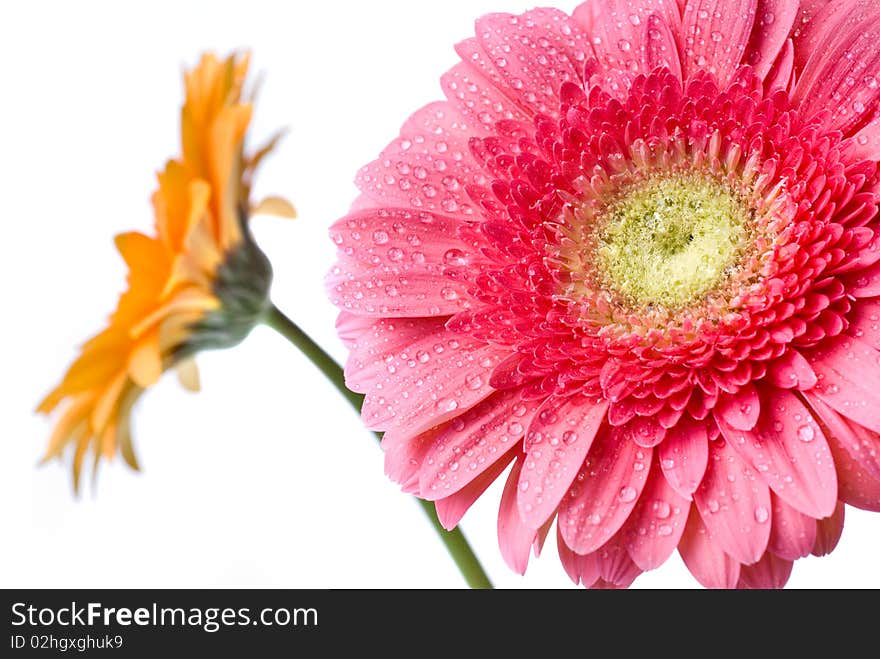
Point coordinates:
[(107, 403), (277, 206), (188, 375), (145, 362)]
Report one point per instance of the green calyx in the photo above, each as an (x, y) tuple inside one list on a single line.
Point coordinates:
[(241, 284), (670, 241)]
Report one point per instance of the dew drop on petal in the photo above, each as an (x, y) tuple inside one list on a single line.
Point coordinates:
[(446, 405), (662, 509), (806, 433), (454, 257), (474, 382)]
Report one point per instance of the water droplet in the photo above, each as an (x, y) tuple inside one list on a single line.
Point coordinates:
[(662, 509), (473, 382), (423, 356), (627, 494), (380, 237), (514, 428), (595, 518), (761, 514), (713, 506), (395, 254), (665, 530), (454, 257), (448, 293), (446, 405), (806, 433), (569, 437), (624, 45)]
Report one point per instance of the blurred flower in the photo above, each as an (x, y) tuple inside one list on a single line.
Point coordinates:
[(200, 282), (633, 256)]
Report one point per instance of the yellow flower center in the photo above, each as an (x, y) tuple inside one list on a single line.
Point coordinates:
[(668, 241)]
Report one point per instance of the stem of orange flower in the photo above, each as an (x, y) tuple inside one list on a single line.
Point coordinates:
[(455, 542)]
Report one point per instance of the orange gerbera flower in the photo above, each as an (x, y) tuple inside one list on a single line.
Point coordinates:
[(200, 282)]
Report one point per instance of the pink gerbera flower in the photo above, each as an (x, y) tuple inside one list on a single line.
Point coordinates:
[(634, 253)]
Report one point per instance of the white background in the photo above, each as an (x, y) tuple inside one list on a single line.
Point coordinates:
[(265, 478)]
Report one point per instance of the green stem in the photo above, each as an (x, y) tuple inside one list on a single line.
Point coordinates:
[(454, 540)]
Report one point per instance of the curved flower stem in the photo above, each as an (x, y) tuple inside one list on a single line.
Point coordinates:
[(454, 540)]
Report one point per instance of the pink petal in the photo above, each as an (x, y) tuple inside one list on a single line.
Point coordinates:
[(819, 21), (861, 444), (849, 380), (770, 572), (615, 565), (406, 291), (858, 487), (792, 371), (865, 283), (793, 534), (534, 54), (684, 455), (541, 536), (781, 74), (656, 523), (514, 537), (865, 322), (704, 557), (773, 22), (828, 532), (451, 509), (350, 327), (739, 410), (661, 49), (557, 441), (465, 446), (477, 99), (403, 458), (428, 166), (393, 262), (385, 239), (605, 491), (835, 81), (617, 28), (417, 375), (582, 569), (867, 142), (790, 453), (734, 504), (714, 36)]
